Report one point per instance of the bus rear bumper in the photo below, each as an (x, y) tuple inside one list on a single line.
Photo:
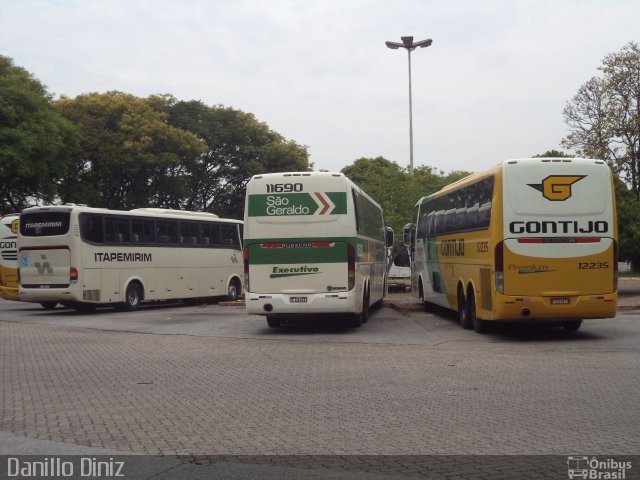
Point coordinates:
[(512, 308), (38, 295), (300, 304)]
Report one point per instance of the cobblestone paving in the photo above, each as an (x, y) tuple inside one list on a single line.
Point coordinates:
[(169, 394)]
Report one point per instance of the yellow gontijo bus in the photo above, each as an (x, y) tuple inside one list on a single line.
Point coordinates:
[(531, 239), (84, 257), (9, 256)]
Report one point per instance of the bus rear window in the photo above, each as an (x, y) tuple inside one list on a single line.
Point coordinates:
[(44, 224)]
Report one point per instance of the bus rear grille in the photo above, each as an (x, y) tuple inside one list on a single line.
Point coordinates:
[(93, 295)]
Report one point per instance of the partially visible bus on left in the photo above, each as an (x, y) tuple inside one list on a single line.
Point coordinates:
[(83, 257), (9, 256)]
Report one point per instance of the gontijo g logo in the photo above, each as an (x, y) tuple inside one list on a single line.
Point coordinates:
[(557, 188)]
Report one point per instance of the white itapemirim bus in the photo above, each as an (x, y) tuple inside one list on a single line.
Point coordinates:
[(9, 256), (314, 243), (84, 257), (529, 240)]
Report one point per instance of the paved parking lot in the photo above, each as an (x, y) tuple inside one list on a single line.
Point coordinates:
[(213, 380)]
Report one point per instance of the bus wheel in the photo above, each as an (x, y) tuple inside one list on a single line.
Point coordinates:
[(573, 325), (365, 307), (233, 290), (132, 297), (463, 313), (425, 304), (273, 322), (480, 326), (48, 305), (362, 317)]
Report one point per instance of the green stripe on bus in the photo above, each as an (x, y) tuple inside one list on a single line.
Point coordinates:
[(286, 204)]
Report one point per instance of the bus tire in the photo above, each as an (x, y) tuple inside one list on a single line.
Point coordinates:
[(463, 312), (273, 322), (359, 318), (479, 325), (425, 304), (49, 305), (573, 325), (365, 306), (132, 297), (233, 290)]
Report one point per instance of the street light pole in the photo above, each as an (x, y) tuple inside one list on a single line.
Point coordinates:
[(410, 45)]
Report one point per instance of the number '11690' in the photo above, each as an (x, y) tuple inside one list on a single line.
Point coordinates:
[(284, 187)]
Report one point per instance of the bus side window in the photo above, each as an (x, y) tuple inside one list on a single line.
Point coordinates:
[(449, 220), (209, 234), (461, 219), (167, 231), (484, 215), (472, 216), (91, 228), (189, 232), (437, 225), (142, 230), (116, 229), (230, 235)]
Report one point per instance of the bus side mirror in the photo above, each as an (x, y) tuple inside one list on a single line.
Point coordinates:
[(389, 237), (406, 234)]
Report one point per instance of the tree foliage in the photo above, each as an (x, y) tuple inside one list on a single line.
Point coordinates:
[(36, 143), (628, 207), (552, 154), (166, 153), (237, 146), (395, 188), (128, 153), (604, 116)]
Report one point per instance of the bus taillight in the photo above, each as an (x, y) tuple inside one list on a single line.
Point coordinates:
[(351, 266), (499, 267), (245, 259), (73, 275)]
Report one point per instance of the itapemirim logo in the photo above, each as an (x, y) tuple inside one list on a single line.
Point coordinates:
[(557, 188)]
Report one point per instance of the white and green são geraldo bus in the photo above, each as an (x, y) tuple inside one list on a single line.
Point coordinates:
[(314, 243)]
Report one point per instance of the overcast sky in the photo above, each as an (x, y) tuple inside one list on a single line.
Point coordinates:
[(492, 86)]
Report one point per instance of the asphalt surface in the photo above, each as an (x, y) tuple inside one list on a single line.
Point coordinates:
[(210, 380)]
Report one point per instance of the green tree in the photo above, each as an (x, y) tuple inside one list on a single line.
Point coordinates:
[(237, 147), (36, 143), (129, 155), (553, 154), (628, 207), (395, 188), (604, 116), (388, 184)]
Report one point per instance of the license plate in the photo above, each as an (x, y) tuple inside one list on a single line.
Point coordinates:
[(297, 299), (560, 301)]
